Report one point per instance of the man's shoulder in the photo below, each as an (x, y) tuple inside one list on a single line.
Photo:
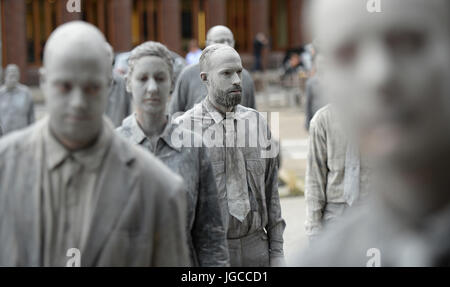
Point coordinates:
[(19, 142), (322, 116), (189, 72)]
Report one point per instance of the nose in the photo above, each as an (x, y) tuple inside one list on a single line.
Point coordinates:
[(78, 100), (376, 66), (236, 79), (152, 87)]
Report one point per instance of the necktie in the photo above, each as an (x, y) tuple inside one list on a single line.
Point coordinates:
[(236, 175)]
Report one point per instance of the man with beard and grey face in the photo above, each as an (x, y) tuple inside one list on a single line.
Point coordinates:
[(189, 89), (389, 73), (69, 181), (16, 103), (246, 172)]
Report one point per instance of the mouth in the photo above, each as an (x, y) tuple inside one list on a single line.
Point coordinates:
[(77, 118), (238, 91), (152, 100)]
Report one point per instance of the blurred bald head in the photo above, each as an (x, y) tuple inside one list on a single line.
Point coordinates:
[(220, 35), (75, 78)]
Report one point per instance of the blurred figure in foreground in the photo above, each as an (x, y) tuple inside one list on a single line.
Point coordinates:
[(194, 53), (190, 90), (246, 172), (118, 106), (389, 75), (150, 80), (16, 103), (69, 181)]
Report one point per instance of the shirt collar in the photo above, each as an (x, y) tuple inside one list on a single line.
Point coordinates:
[(216, 115), (90, 158), (138, 136)]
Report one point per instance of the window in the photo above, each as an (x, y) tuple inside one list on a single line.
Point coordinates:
[(237, 21), (193, 23), (95, 12), (144, 21), (279, 24), (40, 22)]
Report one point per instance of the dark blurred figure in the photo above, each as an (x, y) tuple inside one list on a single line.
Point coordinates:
[(118, 106), (16, 103), (388, 74), (258, 46)]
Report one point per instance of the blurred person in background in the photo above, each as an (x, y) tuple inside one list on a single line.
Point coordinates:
[(190, 90), (194, 53), (118, 106), (258, 46), (315, 99), (150, 80), (69, 181), (16, 102), (388, 73)]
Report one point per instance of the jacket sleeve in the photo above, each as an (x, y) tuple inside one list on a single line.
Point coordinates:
[(316, 177), (171, 248), (30, 110), (276, 224), (209, 233)]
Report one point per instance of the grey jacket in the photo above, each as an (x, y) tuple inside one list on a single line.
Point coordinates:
[(190, 90), (138, 220), (119, 101), (206, 235)]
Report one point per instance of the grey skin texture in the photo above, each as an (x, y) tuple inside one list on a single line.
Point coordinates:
[(189, 89), (257, 240), (136, 214), (151, 79), (398, 105), (16, 103)]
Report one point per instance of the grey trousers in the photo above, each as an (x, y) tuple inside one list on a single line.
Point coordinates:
[(250, 251)]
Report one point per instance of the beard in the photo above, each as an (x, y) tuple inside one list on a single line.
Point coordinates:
[(227, 99)]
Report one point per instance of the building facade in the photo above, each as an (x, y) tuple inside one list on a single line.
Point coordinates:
[(26, 24)]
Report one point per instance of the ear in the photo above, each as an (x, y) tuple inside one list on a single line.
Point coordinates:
[(204, 77)]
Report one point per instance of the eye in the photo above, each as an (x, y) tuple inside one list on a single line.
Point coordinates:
[(346, 53), (91, 89), (64, 87), (143, 78), (227, 73), (405, 41)]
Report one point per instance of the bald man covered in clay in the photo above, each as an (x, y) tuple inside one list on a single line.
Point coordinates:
[(389, 72), (69, 181), (189, 89), (16, 103)]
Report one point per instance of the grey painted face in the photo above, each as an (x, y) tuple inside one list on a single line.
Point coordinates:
[(223, 78), (75, 81), (220, 35), (12, 76), (150, 84), (389, 73)]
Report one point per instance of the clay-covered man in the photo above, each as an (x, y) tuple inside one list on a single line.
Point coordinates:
[(69, 182), (189, 88), (16, 103), (389, 72), (245, 167), (150, 80)]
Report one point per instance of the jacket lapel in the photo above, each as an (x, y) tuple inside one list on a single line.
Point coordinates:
[(115, 186)]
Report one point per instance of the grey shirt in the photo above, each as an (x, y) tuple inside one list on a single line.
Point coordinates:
[(206, 233), (261, 173), (325, 172), (118, 106), (16, 108), (137, 213), (190, 90)]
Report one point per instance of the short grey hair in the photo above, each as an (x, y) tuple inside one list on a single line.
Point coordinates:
[(150, 48), (207, 52)]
